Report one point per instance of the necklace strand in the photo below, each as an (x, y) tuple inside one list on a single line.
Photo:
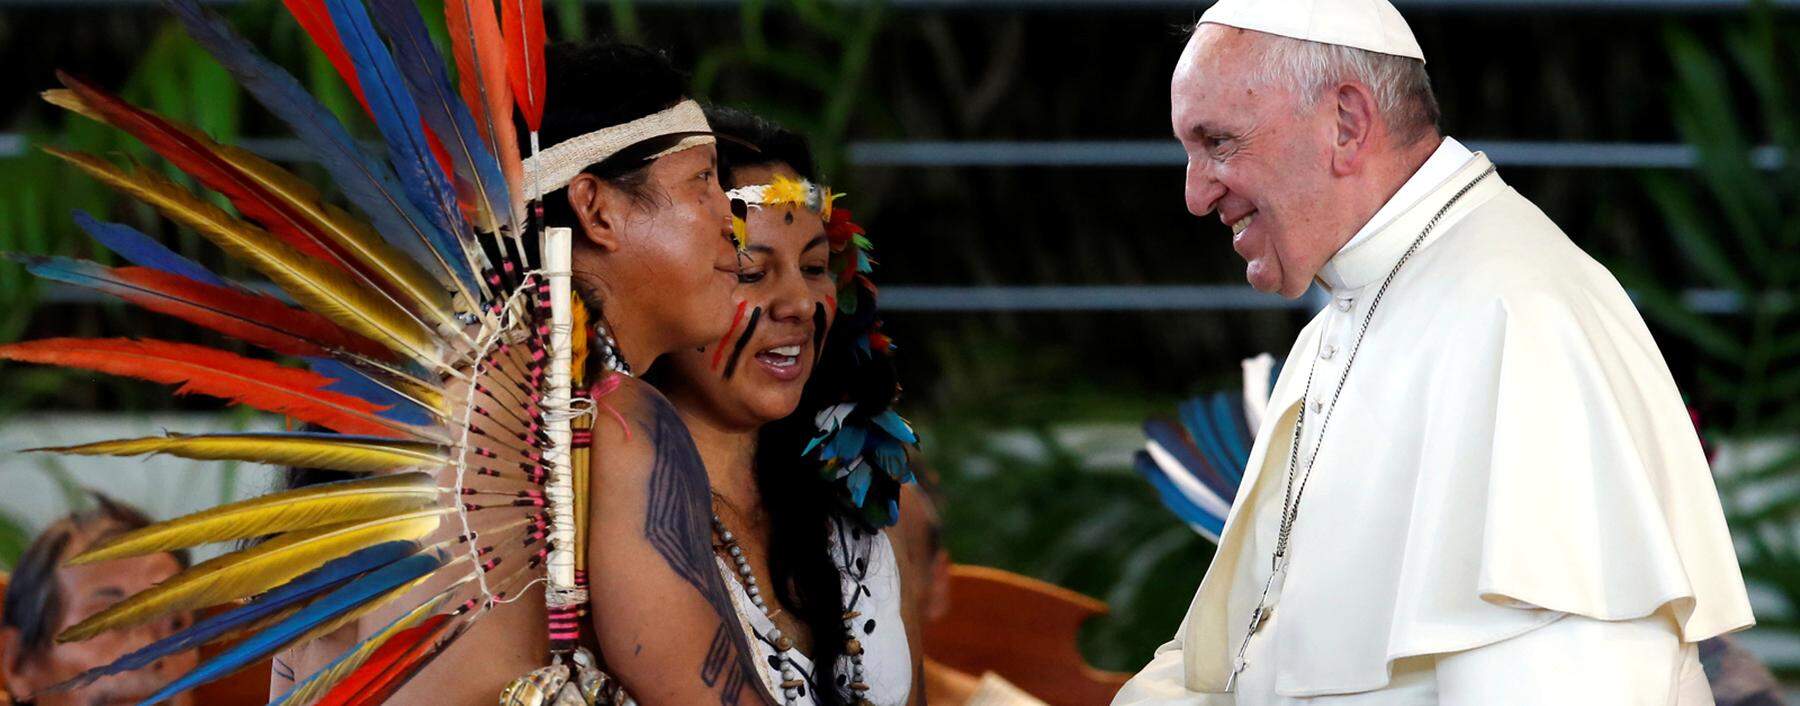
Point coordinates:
[(783, 644)]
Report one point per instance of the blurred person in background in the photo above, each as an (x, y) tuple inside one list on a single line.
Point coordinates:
[(44, 597), (925, 566), (1513, 507)]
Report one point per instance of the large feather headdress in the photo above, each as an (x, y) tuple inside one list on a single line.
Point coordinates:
[(436, 326)]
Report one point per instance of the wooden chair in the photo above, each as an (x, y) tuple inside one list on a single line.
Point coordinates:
[(1024, 630)]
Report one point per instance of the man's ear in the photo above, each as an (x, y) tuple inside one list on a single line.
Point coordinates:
[(19, 677), (598, 210), (1358, 119)]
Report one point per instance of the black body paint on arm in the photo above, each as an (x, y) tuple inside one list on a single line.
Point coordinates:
[(678, 523), (744, 340)]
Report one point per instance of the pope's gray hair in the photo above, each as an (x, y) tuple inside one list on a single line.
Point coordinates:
[(1401, 87)]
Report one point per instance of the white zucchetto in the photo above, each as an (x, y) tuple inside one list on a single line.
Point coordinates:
[(1370, 25)]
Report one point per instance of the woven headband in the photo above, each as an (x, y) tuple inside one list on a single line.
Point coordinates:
[(560, 163)]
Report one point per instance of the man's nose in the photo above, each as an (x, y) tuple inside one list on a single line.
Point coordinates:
[(1202, 189)]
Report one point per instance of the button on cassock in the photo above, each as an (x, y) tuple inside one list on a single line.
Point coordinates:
[(1343, 303), (1328, 352)]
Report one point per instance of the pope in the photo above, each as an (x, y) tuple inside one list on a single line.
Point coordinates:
[(1476, 482)]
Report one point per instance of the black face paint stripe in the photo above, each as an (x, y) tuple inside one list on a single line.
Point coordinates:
[(819, 325), (744, 340)]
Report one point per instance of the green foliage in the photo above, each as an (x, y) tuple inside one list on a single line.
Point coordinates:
[(825, 56), (1736, 224), (1025, 493)]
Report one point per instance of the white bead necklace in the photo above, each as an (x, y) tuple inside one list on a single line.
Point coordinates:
[(790, 677)]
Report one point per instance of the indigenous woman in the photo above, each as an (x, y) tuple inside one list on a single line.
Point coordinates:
[(796, 510), (655, 265)]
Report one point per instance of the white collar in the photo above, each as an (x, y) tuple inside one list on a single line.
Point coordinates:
[(1443, 162), (1368, 261)]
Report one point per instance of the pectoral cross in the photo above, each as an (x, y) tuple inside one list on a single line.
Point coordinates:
[(1257, 618)]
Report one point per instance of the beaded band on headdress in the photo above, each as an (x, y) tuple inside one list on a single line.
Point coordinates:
[(782, 190), (559, 164)]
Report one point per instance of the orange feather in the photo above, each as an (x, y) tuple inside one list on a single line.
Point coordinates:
[(316, 20), (197, 369), (480, 54), (252, 318), (389, 668), (524, 29)]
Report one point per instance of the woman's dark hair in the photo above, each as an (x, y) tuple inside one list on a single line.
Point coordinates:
[(599, 84), (33, 604), (797, 491), (747, 140)]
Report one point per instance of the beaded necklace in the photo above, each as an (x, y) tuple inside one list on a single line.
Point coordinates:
[(784, 645)]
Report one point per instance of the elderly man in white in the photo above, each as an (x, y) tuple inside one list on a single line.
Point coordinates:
[(1476, 482)]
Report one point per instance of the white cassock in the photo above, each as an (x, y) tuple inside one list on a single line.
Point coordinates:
[(1510, 505)]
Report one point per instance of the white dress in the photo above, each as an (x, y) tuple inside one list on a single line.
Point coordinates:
[(871, 586)]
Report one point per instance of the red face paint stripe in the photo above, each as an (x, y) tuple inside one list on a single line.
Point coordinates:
[(719, 351)]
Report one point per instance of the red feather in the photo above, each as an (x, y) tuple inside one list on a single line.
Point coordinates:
[(197, 159), (524, 30), (316, 20), (252, 318), (394, 662), (480, 55), (197, 369)]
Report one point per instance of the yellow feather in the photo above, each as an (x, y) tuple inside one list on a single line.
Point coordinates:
[(321, 681), (354, 454), (67, 100), (254, 570), (425, 293), (299, 509), (321, 288), (417, 287)]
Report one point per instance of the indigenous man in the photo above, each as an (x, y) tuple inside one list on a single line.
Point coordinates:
[(45, 598), (1476, 483)]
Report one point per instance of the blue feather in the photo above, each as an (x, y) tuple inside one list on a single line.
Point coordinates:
[(847, 443), (143, 250), (366, 182), (1177, 501), (859, 481), (896, 426), (346, 598), (355, 383), (307, 585), (422, 66), (346, 654), (1171, 440), (1206, 436), (891, 457), (1228, 411), (396, 115)]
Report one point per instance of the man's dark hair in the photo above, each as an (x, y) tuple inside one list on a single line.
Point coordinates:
[(748, 140), (34, 606), (595, 85)]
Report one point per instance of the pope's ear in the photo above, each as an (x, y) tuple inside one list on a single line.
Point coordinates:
[(1358, 119), (598, 211)]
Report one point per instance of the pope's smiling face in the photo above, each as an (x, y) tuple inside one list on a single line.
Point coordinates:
[(1258, 157)]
